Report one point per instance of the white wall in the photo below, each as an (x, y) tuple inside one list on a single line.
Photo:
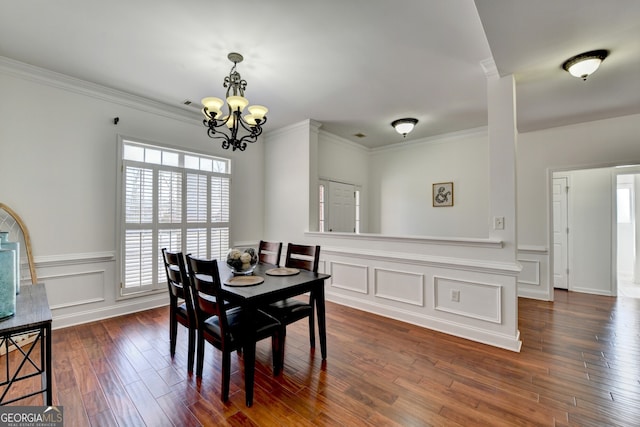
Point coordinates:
[(286, 159), (401, 179), (405, 277), (58, 172), (609, 142), (590, 236), (343, 161)]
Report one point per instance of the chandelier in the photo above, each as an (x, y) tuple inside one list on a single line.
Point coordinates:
[(229, 127)]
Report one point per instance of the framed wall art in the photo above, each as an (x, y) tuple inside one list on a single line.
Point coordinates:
[(442, 193)]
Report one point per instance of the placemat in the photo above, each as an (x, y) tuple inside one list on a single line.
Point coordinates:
[(282, 271), (244, 281)]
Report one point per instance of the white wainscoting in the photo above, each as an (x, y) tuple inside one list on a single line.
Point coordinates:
[(399, 285), (82, 288), (72, 289), (534, 280), (470, 294), (351, 277), (418, 291)]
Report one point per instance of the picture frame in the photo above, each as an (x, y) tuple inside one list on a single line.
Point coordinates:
[(442, 194)]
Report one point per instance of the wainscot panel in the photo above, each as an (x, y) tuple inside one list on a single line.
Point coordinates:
[(461, 297), (352, 277), (534, 280), (71, 289), (83, 288), (403, 286), (416, 288)]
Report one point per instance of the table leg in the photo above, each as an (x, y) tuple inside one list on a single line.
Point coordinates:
[(249, 370), (48, 372), (320, 311)]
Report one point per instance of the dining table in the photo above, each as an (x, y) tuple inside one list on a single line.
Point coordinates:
[(272, 288)]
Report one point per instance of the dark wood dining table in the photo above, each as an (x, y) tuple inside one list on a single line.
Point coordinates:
[(274, 288)]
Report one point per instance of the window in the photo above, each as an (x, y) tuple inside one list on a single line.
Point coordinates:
[(624, 204), (339, 207), (357, 195), (321, 208), (170, 199)]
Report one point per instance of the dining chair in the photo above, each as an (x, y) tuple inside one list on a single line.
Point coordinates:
[(181, 308), (291, 310), (269, 252), (227, 329)]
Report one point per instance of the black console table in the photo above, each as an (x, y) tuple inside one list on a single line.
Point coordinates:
[(32, 317)]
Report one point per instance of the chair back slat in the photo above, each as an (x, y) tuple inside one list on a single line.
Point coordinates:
[(205, 283), (269, 252), (177, 279), (304, 257)]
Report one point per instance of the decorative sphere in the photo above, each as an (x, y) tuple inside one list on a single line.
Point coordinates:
[(242, 261)]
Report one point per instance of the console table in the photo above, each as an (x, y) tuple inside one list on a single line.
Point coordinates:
[(32, 317)]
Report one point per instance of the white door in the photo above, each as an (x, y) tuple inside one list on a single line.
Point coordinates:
[(560, 233), (342, 207)]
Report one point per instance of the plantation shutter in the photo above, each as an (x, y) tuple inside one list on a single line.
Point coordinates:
[(171, 200)]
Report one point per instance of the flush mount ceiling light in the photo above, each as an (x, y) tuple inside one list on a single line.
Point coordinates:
[(585, 64), (250, 124), (404, 126)]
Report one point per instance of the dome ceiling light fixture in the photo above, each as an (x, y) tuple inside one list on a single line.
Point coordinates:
[(215, 121), (404, 126), (585, 64)]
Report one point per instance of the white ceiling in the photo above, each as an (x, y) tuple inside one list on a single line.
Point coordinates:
[(353, 65)]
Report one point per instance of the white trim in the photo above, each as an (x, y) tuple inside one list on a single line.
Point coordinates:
[(122, 308), (484, 336), (71, 84), (483, 266), (426, 240), (532, 249), (73, 259)]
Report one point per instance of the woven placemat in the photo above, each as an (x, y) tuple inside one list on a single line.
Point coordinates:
[(282, 271), (244, 281)]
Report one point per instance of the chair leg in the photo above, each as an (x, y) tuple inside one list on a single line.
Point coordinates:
[(226, 375), (276, 350), (312, 331), (192, 349), (282, 339), (200, 356), (173, 331)]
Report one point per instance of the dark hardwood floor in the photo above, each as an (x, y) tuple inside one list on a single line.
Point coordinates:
[(579, 366)]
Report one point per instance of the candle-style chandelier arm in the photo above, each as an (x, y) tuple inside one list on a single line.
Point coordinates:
[(255, 130)]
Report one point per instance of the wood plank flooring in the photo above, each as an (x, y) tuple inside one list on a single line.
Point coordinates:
[(579, 366)]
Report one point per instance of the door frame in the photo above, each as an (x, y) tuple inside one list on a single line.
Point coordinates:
[(616, 169), (626, 170), (569, 213)]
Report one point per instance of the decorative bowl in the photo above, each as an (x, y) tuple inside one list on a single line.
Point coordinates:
[(242, 262)]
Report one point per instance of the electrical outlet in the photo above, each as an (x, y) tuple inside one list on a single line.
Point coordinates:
[(498, 223), (455, 295)]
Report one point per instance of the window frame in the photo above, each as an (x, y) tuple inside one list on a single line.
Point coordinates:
[(158, 280)]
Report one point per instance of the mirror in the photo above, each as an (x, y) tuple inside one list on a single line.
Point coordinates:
[(13, 224)]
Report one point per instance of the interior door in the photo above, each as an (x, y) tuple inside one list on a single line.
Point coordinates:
[(342, 207), (560, 233)]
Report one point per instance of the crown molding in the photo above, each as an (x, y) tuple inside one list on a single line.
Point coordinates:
[(50, 78)]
